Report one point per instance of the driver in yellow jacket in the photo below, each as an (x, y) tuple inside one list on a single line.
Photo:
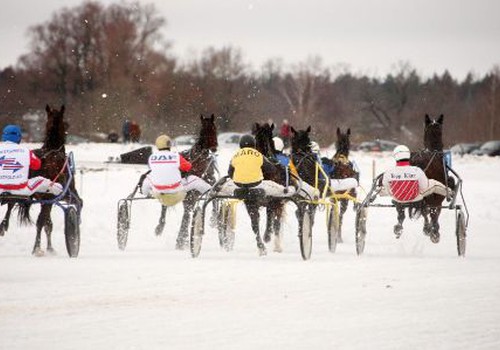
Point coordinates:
[(247, 169)]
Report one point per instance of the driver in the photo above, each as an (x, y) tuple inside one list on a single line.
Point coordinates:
[(165, 172), (247, 169), (407, 183), (15, 163)]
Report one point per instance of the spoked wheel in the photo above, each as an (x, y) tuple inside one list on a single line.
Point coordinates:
[(360, 230), (305, 234), (123, 225), (225, 227), (333, 228), (196, 234), (72, 231), (461, 233)]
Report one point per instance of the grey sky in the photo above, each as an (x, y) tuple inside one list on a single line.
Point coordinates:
[(368, 36)]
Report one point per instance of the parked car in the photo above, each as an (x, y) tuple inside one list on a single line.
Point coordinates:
[(465, 148), (185, 140), (377, 146), (490, 148), (229, 139)]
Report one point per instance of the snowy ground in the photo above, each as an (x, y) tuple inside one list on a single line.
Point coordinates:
[(401, 294)]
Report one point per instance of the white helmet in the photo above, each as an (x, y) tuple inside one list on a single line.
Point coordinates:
[(401, 152), (278, 144), (314, 147)]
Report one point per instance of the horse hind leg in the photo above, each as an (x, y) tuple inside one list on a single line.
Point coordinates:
[(182, 236), (398, 228), (4, 225), (343, 209), (161, 223), (278, 214), (253, 211), (434, 232), (48, 227), (40, 223), (270, 213)]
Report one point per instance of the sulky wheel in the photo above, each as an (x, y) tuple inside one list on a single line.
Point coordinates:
[(225, 227), (305, 234), (360, 230), (72, 231), (123, 225), (333, 228), (196, 234), (461, 229)]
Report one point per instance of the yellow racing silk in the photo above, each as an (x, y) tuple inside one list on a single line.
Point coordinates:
[(247, 164)]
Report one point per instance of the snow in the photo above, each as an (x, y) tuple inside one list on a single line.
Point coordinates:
[(400, 294)]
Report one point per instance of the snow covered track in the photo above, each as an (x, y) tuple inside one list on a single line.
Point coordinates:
[(401, 294)]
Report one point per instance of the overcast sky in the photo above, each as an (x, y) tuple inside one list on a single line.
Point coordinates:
[(368, 36)]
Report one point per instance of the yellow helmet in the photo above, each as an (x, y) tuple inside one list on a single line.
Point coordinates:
[(163, 142)]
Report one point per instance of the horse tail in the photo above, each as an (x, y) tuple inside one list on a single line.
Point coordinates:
[(23, 213)]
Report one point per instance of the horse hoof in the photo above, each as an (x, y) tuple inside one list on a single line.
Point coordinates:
[(435, 237), (278, 249), (51, 251), (398, 230), (158, 230), (181, 245), (38, 252), (267, 237), (262, 252), (2, 231)]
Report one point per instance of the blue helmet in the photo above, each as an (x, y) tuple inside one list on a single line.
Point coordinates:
[(12, 133)]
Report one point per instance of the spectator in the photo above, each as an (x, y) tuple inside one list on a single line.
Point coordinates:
[(126, 131), (285, 133), (134, 132)]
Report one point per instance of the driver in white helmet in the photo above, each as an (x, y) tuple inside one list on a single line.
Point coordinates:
[(279, 145), (407, 183), (165, 172)]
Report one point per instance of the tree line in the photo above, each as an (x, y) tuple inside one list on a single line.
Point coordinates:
[(111, 63)]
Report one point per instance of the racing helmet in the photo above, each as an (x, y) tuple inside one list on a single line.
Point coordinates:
[(163, 142), (12, 133), (278, 144), (401, 152), (247, 141)]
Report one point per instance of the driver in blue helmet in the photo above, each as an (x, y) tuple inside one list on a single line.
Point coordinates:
[(15, 163)]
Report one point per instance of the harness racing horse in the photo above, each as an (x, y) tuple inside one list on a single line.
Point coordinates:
[(204, 165), (305, 163), (342, 169), (53, 157), (431, 160), (274, 207)]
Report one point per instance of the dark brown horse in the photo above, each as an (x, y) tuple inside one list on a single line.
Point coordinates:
[(343, 168), (305, 162), (54, 162), (204, 165), (431, 161), (274, 207)]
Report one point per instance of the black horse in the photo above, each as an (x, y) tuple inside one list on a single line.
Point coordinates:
[(304, 165), (203, 161), (431, 160), (343, 168), (53, 157), (274, 207)]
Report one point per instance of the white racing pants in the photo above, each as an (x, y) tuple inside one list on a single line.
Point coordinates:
[(344, 184), (189, 183), (270, 187), (37, 184), (435, 187)]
